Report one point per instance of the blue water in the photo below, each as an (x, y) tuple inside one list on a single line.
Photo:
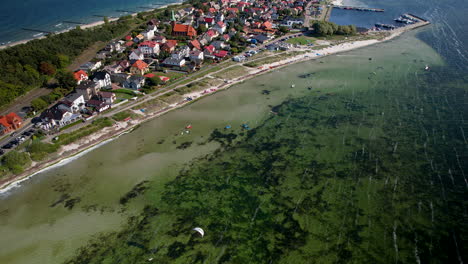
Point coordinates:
[(447, 34), (48, 15)]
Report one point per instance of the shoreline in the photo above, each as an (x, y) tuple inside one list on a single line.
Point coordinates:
[(75, 150), (83, 26)]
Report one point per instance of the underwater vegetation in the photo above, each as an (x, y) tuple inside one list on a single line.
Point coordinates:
[(376, 177)]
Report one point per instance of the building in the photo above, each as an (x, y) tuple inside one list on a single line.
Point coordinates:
[(90, 66), (103, 79), (107, 97), (98, 105), (220, 27), (10, 122), (87, 89), (169, 46), (73, 102), (136, 55), (183, 30), (139, 67), (80, 76), (196, 56), (134, 82), (119, 77), (170, 61), (55, 117), (149, 48)]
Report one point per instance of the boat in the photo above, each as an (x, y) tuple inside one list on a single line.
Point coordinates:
[(188, 127), (227, 127), (293, 85), (426, 68), (403, 20)]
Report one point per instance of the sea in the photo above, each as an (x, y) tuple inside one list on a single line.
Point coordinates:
[(56, 16), (358, 157)]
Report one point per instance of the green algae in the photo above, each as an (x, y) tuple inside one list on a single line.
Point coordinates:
[(331, 178)]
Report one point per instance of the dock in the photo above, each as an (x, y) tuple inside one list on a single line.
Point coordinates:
[(360, 8), (37, 30)]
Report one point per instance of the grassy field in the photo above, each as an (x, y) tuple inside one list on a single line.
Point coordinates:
[(301, 40), (231, 73)]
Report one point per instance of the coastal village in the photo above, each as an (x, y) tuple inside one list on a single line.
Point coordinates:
[(195, 39)]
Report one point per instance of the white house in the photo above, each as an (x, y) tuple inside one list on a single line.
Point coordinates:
[(91, 66), (149, 48), (170, 61), (55, 117), (103, 79), (72, 103), (137, 55), (196, 56), (220, 27)]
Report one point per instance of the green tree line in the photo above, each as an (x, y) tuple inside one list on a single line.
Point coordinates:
[(30, 65), (325, 28)]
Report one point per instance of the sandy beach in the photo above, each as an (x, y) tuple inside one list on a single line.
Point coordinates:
[(107, 134)]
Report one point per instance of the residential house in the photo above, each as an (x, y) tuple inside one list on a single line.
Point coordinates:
[(55, 117), (239, 58), (136, 54), (88, 89), (148, 34), (209, 51), (159, 38), (262, 38), (103, 79), (119, 78), (73, 103), (220, 54), (90, 66), (209, 21), (138, 38), (219, 44), (183, 30), (226, 37), (139, 67), (98, 105), (102, 55), (169, 46), (134, 82), (195, 44), (149, 48), (181, 53), (9, 122), (170, 61), (80, 76), (220, 27), (114, 46), (196, 56), (107, 97)]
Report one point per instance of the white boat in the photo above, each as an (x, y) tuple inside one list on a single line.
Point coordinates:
[(426, 68), (293, 85)]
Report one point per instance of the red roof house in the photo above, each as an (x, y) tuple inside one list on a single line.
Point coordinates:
[(9, 123), (139, 67), (221, 54), (80, 76), (195, 44)]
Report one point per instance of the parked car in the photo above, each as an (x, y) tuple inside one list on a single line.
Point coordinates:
[(2, 152), (7, 146)]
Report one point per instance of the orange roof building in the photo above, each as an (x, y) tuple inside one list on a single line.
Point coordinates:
[(139, 67), (10, 123), (80, 76), (183, 30)]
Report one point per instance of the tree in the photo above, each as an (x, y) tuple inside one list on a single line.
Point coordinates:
[(47, 68), (38, 104), (201, 29), (155, 81), (283, 29), (66, 80), (16, 161)]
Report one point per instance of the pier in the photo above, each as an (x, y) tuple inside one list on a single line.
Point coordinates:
[(360, 8), (37, 30), (73, 22)]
